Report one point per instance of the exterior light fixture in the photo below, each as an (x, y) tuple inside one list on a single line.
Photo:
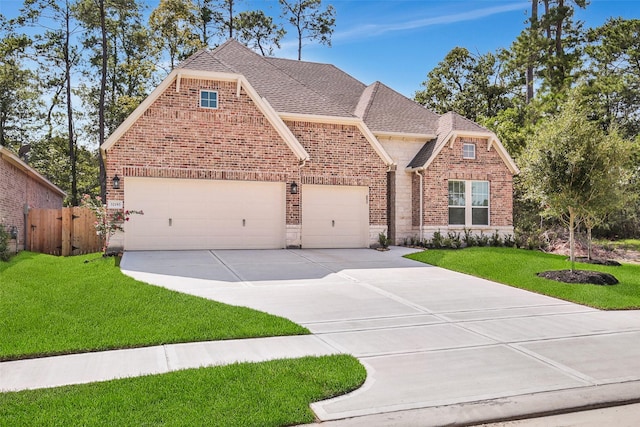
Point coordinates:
[(116, 182), (294, 188)]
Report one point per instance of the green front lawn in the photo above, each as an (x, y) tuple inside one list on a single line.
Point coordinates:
[(518, 268), (53, 305), (275, 393)]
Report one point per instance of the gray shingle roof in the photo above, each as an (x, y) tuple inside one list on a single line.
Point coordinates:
[(423, 155), (302, 87), (388, 111)]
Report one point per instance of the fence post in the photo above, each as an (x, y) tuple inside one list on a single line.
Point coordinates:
[(67, 230)]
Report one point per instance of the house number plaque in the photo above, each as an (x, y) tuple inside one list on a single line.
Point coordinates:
[(115, 204)]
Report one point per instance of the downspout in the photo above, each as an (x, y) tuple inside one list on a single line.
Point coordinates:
[(25, 211), (421, 234)]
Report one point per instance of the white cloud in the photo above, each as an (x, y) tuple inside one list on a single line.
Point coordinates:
[(374, 30)]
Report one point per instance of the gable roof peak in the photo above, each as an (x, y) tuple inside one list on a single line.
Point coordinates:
[(457, 122)]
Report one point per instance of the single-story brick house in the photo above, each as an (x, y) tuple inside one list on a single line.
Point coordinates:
[(237, 150), (22, 188)]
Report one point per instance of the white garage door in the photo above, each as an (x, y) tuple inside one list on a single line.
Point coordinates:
[(335, 216), (204, 214)]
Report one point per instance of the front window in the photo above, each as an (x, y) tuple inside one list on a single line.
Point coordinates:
[(457, 202), (468, 203), (208, 99), (468, 151), (480, 203)]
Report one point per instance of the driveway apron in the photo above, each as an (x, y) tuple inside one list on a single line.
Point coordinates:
[(440, 347)]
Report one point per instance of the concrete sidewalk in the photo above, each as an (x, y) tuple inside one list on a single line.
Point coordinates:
[(108, 365)]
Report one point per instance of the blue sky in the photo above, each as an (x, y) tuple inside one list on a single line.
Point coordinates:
[(398, 42)]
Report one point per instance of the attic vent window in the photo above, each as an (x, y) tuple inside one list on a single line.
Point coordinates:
[(468, 151), (208, 99)]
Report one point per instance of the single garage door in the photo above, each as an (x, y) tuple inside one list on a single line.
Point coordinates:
[(335, 216), (204, 214)]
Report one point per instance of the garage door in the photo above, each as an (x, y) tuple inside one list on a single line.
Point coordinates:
[(204, 214), (335, 216)]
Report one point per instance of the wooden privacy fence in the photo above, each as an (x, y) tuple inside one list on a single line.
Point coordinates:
[(66, 231)]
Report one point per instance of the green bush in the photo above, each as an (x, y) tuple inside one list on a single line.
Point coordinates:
[(4, 243), (496, 240)]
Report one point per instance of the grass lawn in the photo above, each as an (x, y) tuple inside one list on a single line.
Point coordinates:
[(632, 244), (272, 393), (518, 268), (53, 305)]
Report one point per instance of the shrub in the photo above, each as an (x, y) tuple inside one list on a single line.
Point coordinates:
[(437, 241), (469, 239), (496, 240), (383, 240), (482, 239), (454, 241), (106, 224), (509, 241), (4, 243)]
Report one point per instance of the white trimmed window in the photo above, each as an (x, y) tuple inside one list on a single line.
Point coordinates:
[(208, 99), (468, 150), (468, 203)]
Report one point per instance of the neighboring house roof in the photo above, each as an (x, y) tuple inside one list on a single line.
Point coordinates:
[(8, 156)]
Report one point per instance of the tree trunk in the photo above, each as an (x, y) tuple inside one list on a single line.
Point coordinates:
[(589, 243), (72, 142), (231, 18), (530, 65), (572, 226), (299, 43), (103, 88)]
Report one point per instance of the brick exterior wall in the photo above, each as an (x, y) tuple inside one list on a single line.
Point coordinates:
[(449, 165), (18, 188), (175, 138), (341, 155)]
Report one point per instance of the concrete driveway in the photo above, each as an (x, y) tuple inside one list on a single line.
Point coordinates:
[(440, 347)]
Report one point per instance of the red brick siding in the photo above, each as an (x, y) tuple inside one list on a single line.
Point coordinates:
[(449, 164), (175, 138), (341, 155), (18, 188)]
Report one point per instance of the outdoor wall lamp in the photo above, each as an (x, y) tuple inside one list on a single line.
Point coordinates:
[(294, 188), (116, 182)]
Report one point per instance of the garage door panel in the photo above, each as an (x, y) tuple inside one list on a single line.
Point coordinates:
[(205, 214), (335, 216)]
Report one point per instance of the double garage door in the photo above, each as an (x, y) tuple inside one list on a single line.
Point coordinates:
[(209, 214)]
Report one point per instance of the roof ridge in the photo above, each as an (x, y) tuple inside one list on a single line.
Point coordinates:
[(193, 57), (374, 91), (460, 116)]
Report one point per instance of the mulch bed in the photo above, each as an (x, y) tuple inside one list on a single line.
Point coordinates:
[(580, 276), (610, 262)]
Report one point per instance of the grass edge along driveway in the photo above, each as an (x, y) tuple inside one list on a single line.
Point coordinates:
[(274, 393), (518, 268), (60, 305)]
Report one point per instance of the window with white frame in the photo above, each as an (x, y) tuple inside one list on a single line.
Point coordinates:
[(208, 99), (468, 150), (468, 203)]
